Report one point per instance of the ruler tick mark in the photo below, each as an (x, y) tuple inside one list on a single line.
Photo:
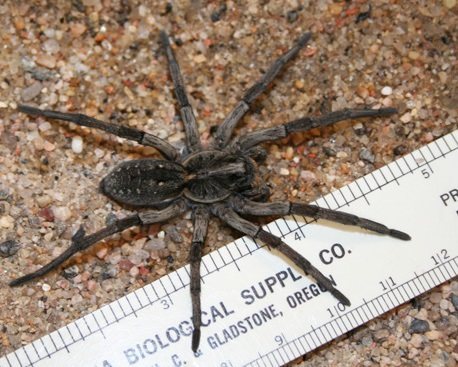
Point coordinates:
[(392, 174), (63, 341), (130, 305), (362, 193), (79, 330)]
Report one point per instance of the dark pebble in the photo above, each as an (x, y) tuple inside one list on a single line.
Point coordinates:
[(401, 131), (442, 324), (454, 299), (170, 259), (217, 14), (9, 248), (110, 219), (292, 16), (364, 15), (329, 152), (108, 272), (400, 150), (367, 155), (4, 195), (360, 131), (418, 326), (174, 235), (70, 272)]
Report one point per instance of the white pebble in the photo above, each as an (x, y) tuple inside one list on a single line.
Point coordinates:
[(7, 222), (387, 91), (77, 144), (284, 171), (61, 213), (46, 287)]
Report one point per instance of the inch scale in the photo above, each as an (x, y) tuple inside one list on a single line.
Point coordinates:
[(258, 309)]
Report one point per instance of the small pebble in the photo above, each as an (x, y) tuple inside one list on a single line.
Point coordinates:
[(155, 244), (400, 150), (416, 340), (405, 118), (381, 334), (49, 147), (289, 153), (91, 285), (200, 59), (7, 221), (413, 55), (367, 155), (454, 299), (71, 272), (77, 29), (217, 14), (366, 340), (102, 253), (434, 335), (418, 326), (9, 248), (387, 91), (307, 175), (284, 171), (449, 3), (61, 213), (125, 264), (47, 61), (77, 144), (174, 235), (51, 46), (292, 16), (444, 304), (134, 271), (31, 92), (109, 271), (46, 287)]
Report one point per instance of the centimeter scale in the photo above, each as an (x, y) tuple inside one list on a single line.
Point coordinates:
[(258, 309)]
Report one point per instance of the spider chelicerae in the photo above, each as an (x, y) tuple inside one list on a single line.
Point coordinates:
[(221, 180)]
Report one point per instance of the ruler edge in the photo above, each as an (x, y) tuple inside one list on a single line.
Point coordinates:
[(65, 346), (354, 308)]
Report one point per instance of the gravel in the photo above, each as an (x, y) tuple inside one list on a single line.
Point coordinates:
[(102, 59)]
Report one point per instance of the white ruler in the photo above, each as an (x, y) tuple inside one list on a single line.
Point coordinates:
[(259, 309)]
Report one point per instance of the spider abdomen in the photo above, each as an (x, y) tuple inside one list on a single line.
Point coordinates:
[(144, 182)]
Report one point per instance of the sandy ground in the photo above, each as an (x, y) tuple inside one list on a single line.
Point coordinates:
[(103, 58)]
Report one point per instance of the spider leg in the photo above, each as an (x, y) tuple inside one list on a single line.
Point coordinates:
[(119, 130), (306, 123), (200, 222), (230, 217), (224, 131), (81, 242), (243, 206), (187, 115)]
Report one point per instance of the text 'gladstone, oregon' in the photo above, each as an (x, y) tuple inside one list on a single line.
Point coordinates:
[(240, 323)]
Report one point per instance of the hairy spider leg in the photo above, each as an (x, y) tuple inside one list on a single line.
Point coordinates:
[(167, 150), (230, 217), (200, 217), (224, 131), (81, 242), (244, 206), (187, 114), (306, 123)]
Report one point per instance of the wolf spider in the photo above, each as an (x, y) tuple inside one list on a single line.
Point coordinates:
[(221, 180)]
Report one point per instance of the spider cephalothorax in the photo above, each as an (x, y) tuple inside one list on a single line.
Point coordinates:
[(222, 180)]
